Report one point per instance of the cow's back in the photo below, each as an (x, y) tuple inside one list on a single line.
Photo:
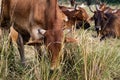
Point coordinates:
[(112, 26), (117, 26), (26, 13)]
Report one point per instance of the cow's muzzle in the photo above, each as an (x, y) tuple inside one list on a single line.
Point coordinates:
[(97, 28)]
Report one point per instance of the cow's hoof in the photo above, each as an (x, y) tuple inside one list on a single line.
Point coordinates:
[(23, 64)]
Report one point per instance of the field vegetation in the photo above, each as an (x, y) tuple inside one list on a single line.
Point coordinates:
[(88, 59)]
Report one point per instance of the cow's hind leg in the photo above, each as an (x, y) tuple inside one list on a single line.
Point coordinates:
[(21, 49)]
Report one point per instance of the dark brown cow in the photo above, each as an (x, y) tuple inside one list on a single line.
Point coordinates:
[(77, 15), (106, 24), (38, 20)]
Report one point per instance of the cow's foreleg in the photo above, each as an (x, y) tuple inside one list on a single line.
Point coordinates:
[(21, 49)]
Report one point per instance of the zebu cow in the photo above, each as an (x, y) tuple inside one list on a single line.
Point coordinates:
[(106, 24), (76, 15), (106, 21), (39, 20)]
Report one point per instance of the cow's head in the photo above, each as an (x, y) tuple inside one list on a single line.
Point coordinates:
[(100, 19), (53, 40)]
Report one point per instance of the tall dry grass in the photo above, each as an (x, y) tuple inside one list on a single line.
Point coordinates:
[(89, 59)]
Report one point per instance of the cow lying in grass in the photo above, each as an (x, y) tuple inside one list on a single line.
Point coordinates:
[(106, 23)]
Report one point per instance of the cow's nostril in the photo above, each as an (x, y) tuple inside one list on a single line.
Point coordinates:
[(97, 27)]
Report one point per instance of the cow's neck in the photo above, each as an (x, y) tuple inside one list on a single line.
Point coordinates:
[(51, 13)]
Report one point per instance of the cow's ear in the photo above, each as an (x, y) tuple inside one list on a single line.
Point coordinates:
[(70, 40), (114, 11), (42, 31)]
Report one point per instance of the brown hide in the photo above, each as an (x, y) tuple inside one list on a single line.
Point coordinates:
[(13, 34), (30, 17), (112, 27), (78, 13), (75, 15)]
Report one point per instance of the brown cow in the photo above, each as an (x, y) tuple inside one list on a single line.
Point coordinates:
[(77, 15), (38, 19), (106, 24)]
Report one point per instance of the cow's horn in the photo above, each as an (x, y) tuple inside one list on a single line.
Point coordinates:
[(97, 8), (91, 9), (106, 11), (41, 31), (114, 11), (76, 6)]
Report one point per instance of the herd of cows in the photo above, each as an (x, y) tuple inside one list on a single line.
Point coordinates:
[(42, 22)]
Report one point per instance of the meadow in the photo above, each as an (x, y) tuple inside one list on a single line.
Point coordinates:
[(88, 59)]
